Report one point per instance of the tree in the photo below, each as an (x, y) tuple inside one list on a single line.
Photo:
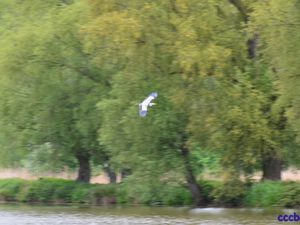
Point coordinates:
[(190, 53), (276, 24), (60, 84), (279, 43)]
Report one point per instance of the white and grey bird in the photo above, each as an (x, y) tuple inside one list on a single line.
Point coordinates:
[(143, 106)]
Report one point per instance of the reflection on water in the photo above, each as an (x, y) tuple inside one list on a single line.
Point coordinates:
[(52, 215)]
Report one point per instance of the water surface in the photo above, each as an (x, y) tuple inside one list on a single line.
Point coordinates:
[(75, 215)]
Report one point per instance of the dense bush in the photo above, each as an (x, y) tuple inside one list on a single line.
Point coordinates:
[(9, 188), (291, 195), (63, 191), (208, 188), (41, 190), (51, 190), (102, 194), (80, 194), (265, 194), (230, 193), (233, 193), (153, 194), (175, 195)]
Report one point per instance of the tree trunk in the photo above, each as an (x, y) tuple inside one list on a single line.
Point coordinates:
[(271, 167), (193, 186), (244, 12), (272, 164), (252, 45), (84, 172), (125, 173), (241, 8), (111, 174)]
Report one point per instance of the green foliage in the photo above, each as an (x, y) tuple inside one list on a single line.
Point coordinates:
[(158, 193), (265, 194), (73, 72), (9, 188), (63, 191), (277, 23), (291, 195), (231, 193), (142, 193), (217, 193), (205, 160), (49, 190), (44, 158), (99, 192), (80, 194), (210, 189), (174, 195), (50, 87), (270, 194)]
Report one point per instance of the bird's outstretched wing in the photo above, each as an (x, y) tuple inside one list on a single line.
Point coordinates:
[(143, 107), (142, 111)]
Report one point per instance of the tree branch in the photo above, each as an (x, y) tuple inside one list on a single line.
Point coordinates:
[(243, 11)]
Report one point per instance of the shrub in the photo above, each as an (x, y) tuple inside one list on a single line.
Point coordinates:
[(290, 197), (102, 194), (141, 193), (42, 190), (122, 194), (231, 193), (207, 188), (9, 188), (81, 194), (175, 195), (265, 194), (50, 190), (155, 193), (63, 191)]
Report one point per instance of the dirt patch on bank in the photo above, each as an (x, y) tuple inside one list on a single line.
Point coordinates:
[(25, 174), (291, 174)]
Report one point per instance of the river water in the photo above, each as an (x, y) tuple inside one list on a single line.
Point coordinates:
[(75, 215)]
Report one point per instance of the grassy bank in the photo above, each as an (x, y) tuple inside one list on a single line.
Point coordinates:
[(57, 191), (258, 194), (51, 190)]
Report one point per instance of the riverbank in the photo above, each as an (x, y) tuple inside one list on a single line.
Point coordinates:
[(60, 191)]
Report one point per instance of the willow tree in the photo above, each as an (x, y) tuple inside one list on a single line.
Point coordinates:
[(277, 23), (194, 55), (280, 36), (52, 86)]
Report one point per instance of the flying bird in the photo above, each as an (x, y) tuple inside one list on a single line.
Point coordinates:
[(143, 106)]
